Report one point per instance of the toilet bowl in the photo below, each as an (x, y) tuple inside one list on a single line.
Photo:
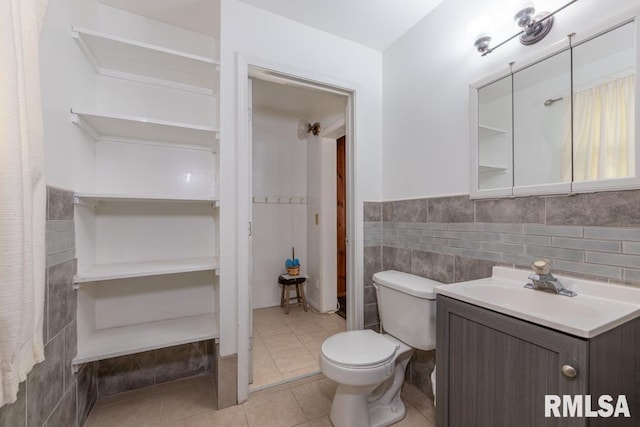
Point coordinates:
[(370, 367)]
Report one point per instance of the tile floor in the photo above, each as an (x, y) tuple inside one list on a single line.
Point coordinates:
[(285, 347), (189, 403), (288, 346)]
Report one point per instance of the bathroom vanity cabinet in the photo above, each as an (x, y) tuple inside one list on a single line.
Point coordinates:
[(494, 370)]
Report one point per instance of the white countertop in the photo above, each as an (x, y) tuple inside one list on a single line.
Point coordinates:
[(597, 308)]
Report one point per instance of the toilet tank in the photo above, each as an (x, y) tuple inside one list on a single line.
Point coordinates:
[(407, 307)]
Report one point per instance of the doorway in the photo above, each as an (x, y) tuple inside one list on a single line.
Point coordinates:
[(298, 210)]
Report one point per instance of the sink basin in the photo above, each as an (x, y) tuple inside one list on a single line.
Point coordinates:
[(597, 308)]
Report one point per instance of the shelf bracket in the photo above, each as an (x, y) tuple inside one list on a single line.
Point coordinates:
[(85, 48), (78, 201), (77, 120), (75, 368)]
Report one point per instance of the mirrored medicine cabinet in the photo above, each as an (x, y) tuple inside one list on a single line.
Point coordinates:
[(562, 123)]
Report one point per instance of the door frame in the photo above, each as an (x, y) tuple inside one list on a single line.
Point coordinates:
[(355, 294)]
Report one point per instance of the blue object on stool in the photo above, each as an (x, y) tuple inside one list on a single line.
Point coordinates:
[(298, 282)]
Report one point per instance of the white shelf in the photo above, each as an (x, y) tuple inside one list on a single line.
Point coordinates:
[(491, 169), (490, 131), (114, 342), (104, 272), (126, 58), (93, 199), (124, 127)]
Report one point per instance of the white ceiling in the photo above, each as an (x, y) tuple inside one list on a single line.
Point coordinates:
[(310, 104), (373, 23)]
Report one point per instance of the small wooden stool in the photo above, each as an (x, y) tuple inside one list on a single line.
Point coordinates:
[(298, 281)]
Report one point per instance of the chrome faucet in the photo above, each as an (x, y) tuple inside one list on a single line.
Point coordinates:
[(544, 280)]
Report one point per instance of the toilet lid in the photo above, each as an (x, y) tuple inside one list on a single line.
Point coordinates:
[(358, 348)]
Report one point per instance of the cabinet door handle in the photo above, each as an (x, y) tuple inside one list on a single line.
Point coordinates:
[(569, 371)]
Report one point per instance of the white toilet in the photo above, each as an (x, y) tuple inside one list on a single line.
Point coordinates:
[(369, 367)]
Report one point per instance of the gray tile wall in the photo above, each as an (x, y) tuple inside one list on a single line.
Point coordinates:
[(453, 239), (52, 394), (134, 371), (592, 235), (372, 261)]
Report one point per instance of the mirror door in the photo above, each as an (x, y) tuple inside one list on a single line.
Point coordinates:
[(542, 126), (495, 136), (604, 96)]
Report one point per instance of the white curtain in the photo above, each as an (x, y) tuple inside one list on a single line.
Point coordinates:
[(22, 194), (603, 131)]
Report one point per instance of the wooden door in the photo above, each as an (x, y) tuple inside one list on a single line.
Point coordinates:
[(341, 207)]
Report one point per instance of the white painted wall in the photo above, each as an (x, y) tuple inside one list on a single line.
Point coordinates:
[(279, 207), (69, 153), (322, 237), (426, 78), (251, 32)]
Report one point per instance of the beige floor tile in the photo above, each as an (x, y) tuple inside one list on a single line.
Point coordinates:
[(412, 394), (318, 336), (292, 341), (315, 397), (145, 411), (181, 403), (265, 374), (294, 360), (268, 329), (229, 417), (257, 339), (269, 390), (427, 409), (261, 356), (333, 325), (305, 327), (296, 314), (266, 312), (278, 409), (413, 418), (315, 353), (302, 372), (283, 343), (321, 422)]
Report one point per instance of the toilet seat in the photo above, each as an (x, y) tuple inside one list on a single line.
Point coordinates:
[(358, 349)]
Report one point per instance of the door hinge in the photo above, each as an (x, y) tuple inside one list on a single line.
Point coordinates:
[(250, 229), (250, 343)]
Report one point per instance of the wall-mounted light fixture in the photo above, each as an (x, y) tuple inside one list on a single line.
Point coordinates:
[(533, 28)]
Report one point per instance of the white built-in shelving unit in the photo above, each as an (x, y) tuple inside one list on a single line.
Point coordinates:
[(120, 341), (494, 155), (127, 270), (101, 126), (125, 58), (147, 231)]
